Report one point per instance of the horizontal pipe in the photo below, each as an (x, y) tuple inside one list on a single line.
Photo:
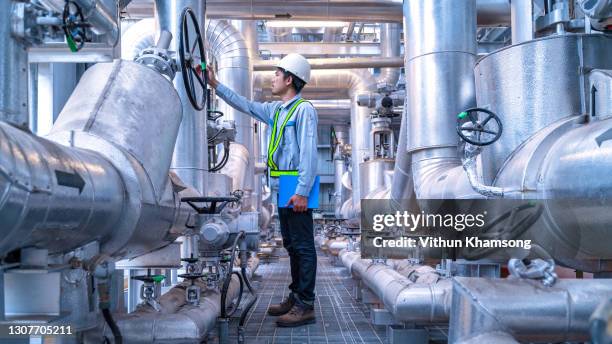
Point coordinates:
[(333, 63), (556, 314), (186, 323), (406, 300)]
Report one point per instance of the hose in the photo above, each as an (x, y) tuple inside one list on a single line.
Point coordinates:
[(224, 160), (239, 295), (228, 279), (251, 303), (113, 326)]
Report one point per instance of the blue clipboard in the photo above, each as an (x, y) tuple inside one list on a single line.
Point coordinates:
[(286, 189)]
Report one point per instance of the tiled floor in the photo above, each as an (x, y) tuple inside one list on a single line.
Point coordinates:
[(340, 318)]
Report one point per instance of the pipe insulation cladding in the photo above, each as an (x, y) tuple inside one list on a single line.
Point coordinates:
[(98, 176)]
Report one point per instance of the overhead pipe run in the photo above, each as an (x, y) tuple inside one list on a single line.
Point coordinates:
[(336, 63), (490, 12)]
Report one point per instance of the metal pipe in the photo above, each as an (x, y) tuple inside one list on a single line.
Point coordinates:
[(522, 20), (184, 323), (103, 20), (237, 165), (137, 37), (96, 176), (190, 161), (390, 47), (335, 63), (490, 12), (13, 71), (340, 194), (440, 84), (234, 70), (556, 314), (406, 300)]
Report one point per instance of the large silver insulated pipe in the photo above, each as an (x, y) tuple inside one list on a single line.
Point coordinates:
[(555, 314), (408, 301), (390, 46), (98, 176), (340, 168), (176, 321), (234, 70), (190, 160), (440, 53), (490, 12)]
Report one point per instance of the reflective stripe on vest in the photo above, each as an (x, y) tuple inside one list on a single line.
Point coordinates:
[(274, 138), (278, 173)]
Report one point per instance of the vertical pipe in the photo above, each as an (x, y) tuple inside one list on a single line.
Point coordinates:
[(190, 160), (235, 72), (440, 58), (339, 168), (521, 20), (13, 70), (390, 47)]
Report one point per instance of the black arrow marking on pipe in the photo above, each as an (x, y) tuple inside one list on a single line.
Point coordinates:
[(70, 180)]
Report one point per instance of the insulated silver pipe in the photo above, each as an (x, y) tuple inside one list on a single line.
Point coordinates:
[(178, 322), (390, 45), (103, 19), (490, 12), (522, 21), (334, 63), (440, 57), (190, 161), (234, 71), (96, 177), (340, 195), (556, 314), (408, 301), (13, 71)]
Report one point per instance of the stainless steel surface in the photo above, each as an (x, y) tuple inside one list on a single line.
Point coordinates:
[(167, 257), (402, 187), (102, 109), (408, 301), (372, 175), (231, 52), (219, 185), (600, 83), (102, 18), (236, 167), (108, 183), (440, 84), (390, 44), (522, 20), (520, 80), (190, 159), (328, 49), (556, 314), (334, 63), (176, 322), (491, 12), (137, 37), (13, 71)]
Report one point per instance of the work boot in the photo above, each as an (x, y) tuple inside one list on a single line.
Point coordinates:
[(283, 307), (298, 315)]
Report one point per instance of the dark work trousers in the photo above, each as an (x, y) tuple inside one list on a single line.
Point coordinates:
[(298, 239)]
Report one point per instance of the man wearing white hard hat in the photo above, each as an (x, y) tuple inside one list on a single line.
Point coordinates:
[(292, 150)]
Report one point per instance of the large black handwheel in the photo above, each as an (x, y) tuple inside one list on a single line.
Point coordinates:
[(486, 132), (192, 60)]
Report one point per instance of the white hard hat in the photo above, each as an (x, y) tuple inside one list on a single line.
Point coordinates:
[(297, 65)]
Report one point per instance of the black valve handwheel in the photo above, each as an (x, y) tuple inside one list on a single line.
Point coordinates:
[(73, 24), (479, 127), (192, 60)]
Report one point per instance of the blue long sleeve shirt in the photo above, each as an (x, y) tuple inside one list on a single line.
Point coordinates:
[(298, 147)]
